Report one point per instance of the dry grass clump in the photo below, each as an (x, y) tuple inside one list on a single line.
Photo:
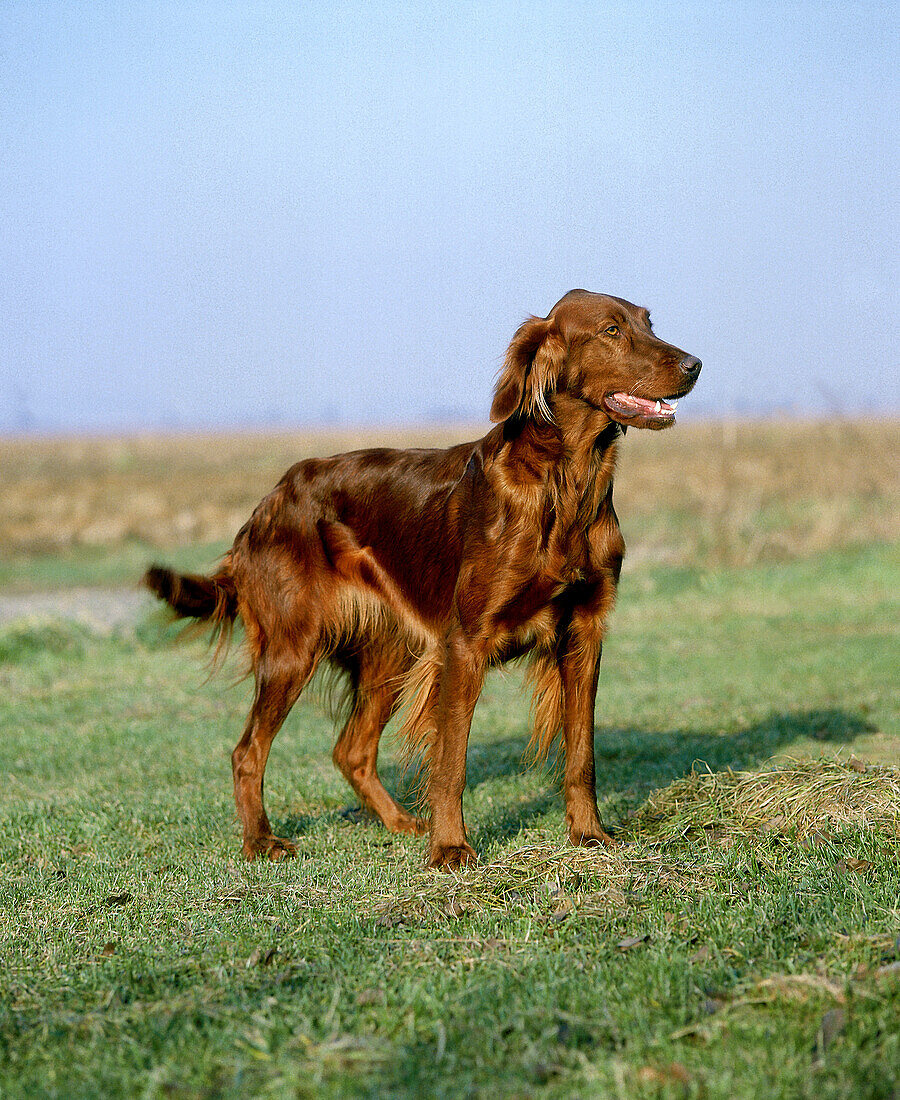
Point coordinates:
[(732, 493), (595, 881), (799, 796)]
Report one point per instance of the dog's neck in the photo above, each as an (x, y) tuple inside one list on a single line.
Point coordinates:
[(583, 426), (589, 439), (573, 456)]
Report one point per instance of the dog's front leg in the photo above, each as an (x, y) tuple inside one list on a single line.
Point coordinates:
[(580, 670), (462, 676)]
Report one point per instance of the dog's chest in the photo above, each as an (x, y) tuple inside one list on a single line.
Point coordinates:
[(568, 563), (579, 552)]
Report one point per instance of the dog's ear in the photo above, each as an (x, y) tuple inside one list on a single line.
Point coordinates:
[(531, 371)]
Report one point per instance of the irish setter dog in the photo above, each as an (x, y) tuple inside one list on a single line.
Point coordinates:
[(414, 571)]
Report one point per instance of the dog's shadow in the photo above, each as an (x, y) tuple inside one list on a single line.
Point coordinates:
[(628, 759)]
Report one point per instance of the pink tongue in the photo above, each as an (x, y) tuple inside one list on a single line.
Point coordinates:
[(641, 403)]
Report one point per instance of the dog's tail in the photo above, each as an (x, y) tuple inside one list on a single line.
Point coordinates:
[(207, 599)]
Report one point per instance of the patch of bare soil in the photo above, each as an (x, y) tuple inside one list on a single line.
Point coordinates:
[(102, 609)]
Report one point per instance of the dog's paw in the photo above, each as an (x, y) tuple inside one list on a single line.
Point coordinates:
[(451, 857), (411, 826), (269, 847), (596, 838)]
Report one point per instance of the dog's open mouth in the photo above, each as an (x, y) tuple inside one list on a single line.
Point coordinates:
[(639, 412)]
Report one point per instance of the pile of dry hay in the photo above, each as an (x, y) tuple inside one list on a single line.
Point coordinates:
[(796, 798)]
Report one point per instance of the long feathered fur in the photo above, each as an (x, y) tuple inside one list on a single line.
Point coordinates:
[(211, 601)]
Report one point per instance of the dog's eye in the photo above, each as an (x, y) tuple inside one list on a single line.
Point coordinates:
[(612, 330)]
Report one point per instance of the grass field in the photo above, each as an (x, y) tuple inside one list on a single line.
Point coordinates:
[(741, 942)]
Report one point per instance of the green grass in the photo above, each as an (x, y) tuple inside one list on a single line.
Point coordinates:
[(120, 564), (139, 956)]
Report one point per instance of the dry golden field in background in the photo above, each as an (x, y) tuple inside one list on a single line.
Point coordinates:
[(718, 493)]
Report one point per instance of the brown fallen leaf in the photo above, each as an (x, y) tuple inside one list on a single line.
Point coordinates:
[(674, 1072), (852, 865), (370, 997), (631, 941), (816, 838), (562, 911), (117, 899), (260, 956)]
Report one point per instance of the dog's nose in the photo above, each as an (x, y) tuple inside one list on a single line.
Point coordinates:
[(691, 366)]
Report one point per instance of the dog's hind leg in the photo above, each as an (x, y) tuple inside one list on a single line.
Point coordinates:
[(279, 680), (376, 690)]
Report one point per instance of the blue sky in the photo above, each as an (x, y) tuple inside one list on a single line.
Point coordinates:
[(282, 213)]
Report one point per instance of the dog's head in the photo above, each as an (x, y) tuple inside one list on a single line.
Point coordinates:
[(601, 350)]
